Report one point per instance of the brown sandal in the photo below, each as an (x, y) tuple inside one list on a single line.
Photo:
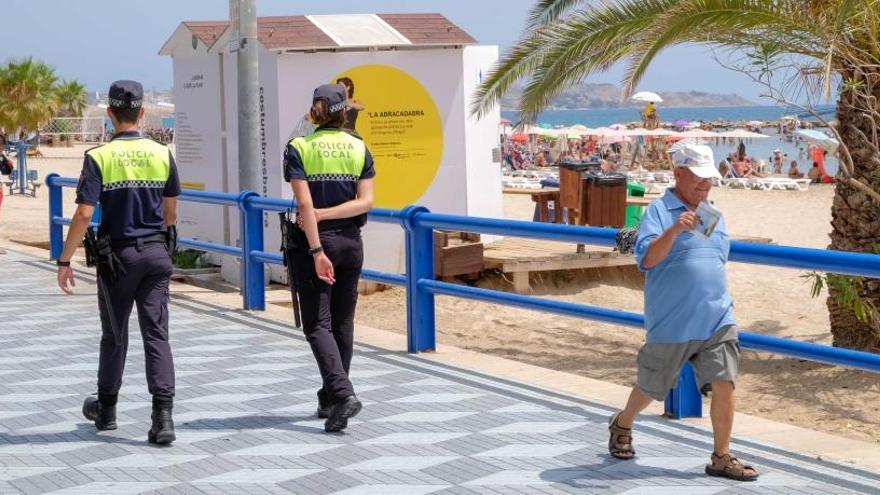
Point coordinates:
[(620, 442), (727, 466)]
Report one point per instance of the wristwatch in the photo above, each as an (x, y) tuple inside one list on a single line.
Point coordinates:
[(315, 250), (62, 263)]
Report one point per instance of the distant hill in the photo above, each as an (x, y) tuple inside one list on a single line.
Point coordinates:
[(593, 96)]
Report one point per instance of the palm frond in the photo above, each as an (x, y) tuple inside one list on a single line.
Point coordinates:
[(548, 11), (704, 21), (591, 42), (525, 56)]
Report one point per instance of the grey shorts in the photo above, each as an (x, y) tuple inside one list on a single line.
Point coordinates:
[(713, 360)]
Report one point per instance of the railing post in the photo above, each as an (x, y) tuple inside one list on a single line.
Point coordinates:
[(253, 279), (56, 212), (420, 324), (684, 401)]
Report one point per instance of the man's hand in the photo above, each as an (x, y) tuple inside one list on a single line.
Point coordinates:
[(324, 268), (687, 221), (65, 279)]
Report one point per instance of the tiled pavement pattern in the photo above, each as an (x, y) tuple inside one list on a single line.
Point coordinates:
[(245, 405)]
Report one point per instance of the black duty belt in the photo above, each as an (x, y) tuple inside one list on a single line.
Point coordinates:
[(148, 239)]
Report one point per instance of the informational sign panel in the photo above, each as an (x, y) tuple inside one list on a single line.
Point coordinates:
[(197, 141)]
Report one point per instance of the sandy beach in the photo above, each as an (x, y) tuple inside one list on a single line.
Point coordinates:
[(768, 300)]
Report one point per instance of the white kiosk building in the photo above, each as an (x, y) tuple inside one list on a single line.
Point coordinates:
[(415, 74)]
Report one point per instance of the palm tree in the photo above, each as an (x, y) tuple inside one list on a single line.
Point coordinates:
[(71, 97), (27, 95), (569, 40)]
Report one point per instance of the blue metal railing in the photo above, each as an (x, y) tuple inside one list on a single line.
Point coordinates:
[(421, 287)]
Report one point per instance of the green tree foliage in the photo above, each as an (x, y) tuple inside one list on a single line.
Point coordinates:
[(31, 94)]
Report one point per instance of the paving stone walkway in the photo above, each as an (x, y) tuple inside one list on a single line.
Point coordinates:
[(245, 415)]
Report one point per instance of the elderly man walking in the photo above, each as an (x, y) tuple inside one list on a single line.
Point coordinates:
[(688, 310)]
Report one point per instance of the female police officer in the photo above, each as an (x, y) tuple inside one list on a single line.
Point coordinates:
[(331, 173)]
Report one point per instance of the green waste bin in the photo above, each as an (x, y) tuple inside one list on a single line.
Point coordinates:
[(634, 212)]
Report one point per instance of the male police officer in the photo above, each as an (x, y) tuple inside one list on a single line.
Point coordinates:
[(135, 180)]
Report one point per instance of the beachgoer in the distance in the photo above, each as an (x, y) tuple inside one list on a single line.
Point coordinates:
[(352, 106), (794, 172), (777, 161), (688, 311), (815, 175)]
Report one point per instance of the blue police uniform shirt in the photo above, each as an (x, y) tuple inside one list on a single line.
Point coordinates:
[(128, 212), (686, 296), (326, 193)]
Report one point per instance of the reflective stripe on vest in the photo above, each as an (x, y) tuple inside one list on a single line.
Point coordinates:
[(132, 163), (331, 155)]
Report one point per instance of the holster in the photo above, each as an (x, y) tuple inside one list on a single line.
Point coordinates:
[(293, 242), (99, 254), (171, 239)]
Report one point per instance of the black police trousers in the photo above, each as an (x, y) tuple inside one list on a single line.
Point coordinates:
[(328, 310), (148, 270)]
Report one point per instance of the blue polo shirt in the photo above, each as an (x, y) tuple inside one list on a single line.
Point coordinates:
[(686, 295)]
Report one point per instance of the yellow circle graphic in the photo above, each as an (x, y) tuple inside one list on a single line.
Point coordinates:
[(402, 128)]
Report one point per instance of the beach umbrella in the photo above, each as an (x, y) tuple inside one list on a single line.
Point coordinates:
[(818, 138), (639, 131), (606, 131), (680, 123), (661, 132), (504, 121), (575, 131), (697, 134), (755, 123), (614, 138), (742, 134), (647, 96)]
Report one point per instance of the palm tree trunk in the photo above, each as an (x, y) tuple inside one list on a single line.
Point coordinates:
[(856, 223)]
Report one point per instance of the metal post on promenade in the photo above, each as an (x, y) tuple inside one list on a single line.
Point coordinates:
[(21, 150), (684, 400), (253, 279), (243, 19), (56, 212), (420, 322)]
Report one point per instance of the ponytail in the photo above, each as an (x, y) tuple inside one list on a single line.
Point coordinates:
[(321, 116)]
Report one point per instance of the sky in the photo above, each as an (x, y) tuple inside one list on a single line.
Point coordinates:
[(98, 41)]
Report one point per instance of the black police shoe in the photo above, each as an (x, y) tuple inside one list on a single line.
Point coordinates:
[(162, 431), (340, 412), (103, 416), (324, 405)]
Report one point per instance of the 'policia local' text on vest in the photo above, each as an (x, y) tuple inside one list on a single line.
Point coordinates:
[(331, 155), (132, 163)]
